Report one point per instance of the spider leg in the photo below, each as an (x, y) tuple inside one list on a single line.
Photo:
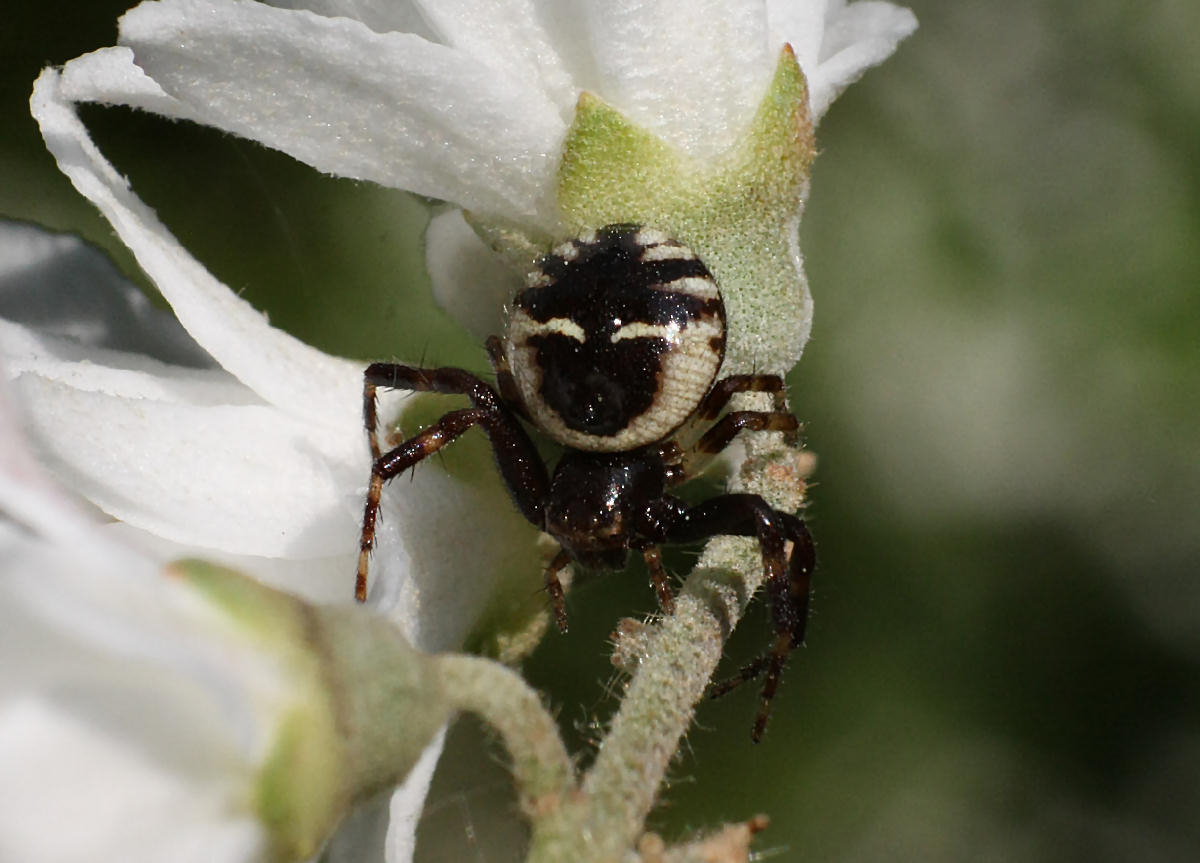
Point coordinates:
[(726, 388), (520, 465), (723, 432), (504, 375), (395, 462), (788, 580), (555, 589), (695, 459), (658, 577)]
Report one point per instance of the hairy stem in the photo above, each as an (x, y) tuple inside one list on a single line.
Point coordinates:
[(622, 785), (540, 764)]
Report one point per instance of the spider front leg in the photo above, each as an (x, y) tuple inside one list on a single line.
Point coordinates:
[(723, 390), (520, 465), (722, 433), (788, 578)]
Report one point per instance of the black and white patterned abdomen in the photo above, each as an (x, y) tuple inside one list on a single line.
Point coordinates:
[(615, 339)]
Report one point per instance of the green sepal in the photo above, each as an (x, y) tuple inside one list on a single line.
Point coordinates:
[(739, 212), (353, 709)]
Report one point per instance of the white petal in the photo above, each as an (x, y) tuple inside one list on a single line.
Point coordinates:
[(392, 108), (860, 36), (382, 16), (384, 829), (129, 635), (115, 372), (319, 580), (27, 495), (442, 544), (73, 792), (62, 286), (120, 667), (431, 571), (801, 24), (279, 368), (469, 281), (247, 479), (506, 35), (692, 71), (408, 802), (109, 76)]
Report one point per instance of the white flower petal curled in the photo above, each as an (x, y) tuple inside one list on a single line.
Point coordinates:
[(110, 77), (253, 486), (396, 109), (837, 42), (279, 368), (468, 280), (382, 16)]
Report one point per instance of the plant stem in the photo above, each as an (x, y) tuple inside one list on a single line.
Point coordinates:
[(621, 787), (541, 767)]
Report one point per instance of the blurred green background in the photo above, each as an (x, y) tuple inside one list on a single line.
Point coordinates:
[(1003, 240)]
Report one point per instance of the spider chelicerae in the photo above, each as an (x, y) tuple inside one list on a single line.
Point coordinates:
[(613, 349)]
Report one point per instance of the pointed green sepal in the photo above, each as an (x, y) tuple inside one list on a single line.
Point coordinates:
[(345, 704), (739, 212)]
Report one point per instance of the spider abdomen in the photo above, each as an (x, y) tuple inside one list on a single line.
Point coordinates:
[(616, 338)]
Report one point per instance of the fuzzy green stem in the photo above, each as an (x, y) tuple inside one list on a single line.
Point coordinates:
[(622, 785), (541, 767)]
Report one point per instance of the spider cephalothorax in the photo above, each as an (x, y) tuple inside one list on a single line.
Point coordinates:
[(612, 348)]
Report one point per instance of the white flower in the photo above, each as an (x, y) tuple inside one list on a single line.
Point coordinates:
[(266, 457), (260, 460), (186, 718)]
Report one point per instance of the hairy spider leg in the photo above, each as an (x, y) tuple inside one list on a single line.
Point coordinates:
[(721, 434), (520, 465), (505, 381), (788, 581), (726, 388), (658, 577), (554, 587)]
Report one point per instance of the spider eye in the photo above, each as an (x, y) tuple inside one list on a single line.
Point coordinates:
[(616, 338)]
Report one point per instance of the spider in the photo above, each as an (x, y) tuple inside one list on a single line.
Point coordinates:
[(612, 349)]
